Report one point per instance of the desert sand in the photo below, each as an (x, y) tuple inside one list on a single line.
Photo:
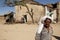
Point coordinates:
[(24, 31)]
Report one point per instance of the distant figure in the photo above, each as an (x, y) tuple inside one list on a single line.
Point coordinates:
[(22, 20), (44, 31)]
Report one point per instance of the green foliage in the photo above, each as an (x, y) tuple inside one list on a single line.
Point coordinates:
[(16, 2), (51, 14), (20, 3)]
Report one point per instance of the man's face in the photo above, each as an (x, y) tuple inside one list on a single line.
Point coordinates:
[(47, 22)]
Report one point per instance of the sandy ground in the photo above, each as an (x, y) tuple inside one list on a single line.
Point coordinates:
[(24, 31)]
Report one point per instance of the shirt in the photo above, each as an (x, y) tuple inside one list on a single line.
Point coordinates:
[(45, 35)]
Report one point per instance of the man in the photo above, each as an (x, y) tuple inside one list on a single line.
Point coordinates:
[(44, 31)]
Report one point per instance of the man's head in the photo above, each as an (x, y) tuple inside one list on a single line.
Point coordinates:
[(47, 22)]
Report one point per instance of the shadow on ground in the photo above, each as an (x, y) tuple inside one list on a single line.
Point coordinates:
[(57, 37)]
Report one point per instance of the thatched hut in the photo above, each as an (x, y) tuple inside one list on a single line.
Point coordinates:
[(33, 7)]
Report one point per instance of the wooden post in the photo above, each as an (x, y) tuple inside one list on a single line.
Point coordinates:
[(57, 16), (57, 19)]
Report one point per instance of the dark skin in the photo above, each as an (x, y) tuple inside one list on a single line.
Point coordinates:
[(47, 23)]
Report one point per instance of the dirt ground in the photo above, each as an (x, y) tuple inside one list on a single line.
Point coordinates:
[(24, 31)]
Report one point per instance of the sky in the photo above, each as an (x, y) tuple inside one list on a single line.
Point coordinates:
[(5, 9), (47, 1)]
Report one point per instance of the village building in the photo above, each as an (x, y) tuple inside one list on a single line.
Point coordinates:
[(33, 11), (34, 8)]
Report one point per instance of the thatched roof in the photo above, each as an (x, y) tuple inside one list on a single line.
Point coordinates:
[(49, 5), (31, 2), (52, 6)]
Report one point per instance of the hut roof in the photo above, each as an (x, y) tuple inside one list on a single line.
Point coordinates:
[(52, 6), (49, 5), (31, 2)]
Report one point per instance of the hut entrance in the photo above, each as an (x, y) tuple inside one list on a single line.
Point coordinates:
[(25, 17)]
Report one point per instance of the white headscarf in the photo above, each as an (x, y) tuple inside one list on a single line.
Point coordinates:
[(41, 23)]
